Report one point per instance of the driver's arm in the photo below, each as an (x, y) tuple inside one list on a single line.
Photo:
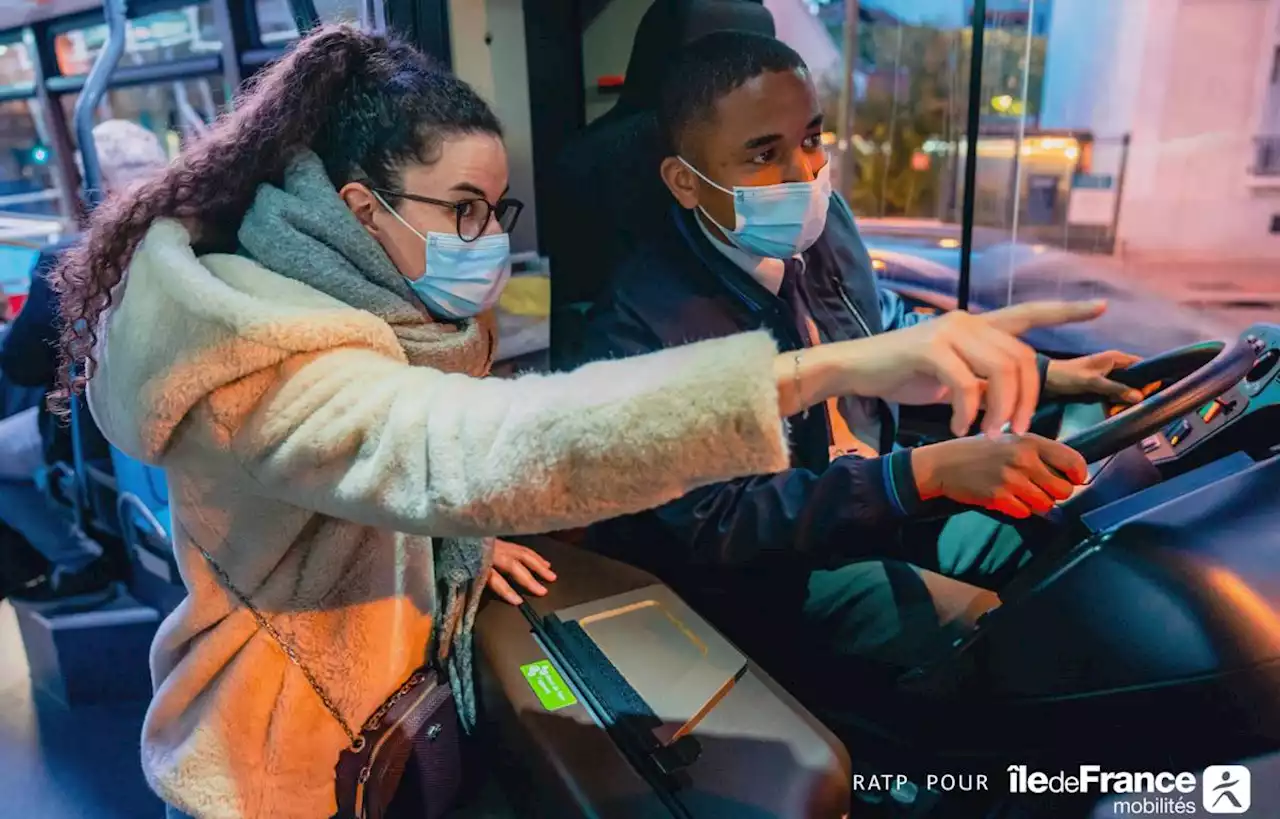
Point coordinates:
[(848, 510), (852, 508)]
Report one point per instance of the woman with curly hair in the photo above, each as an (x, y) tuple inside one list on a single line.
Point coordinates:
[(293, 319)]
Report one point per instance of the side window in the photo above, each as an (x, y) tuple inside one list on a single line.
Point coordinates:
[(165, 36), (275, 21), (26, 176), (16, 68), (1158, 213), (1138, 172), (276, 24), (895, 122), (175, 111)]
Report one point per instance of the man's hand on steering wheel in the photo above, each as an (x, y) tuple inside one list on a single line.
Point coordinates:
[(1088, 376), (1017, 476)]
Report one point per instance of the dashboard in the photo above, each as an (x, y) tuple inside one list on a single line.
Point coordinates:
[(1200, 430), (1226, 434)]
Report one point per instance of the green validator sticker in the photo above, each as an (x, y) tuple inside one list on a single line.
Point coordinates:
[(547, 683)]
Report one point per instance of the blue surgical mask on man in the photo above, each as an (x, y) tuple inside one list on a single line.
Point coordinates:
[(776, 221), (461, 279)]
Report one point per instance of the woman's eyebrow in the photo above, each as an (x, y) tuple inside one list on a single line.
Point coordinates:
[(467, 187)]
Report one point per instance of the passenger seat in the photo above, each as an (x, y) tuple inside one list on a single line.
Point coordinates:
[(146, 525)]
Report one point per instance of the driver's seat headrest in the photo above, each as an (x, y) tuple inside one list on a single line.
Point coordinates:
[(667, 27)]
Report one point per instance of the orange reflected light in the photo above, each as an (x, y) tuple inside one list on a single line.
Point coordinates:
[(877, 264), (1228, 585), (1045, 148), (1147, 391)]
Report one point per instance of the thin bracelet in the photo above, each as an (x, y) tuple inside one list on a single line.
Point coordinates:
[(795, 383)]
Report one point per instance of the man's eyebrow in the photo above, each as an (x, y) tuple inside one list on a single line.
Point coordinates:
[(761, 141), (768, 139)]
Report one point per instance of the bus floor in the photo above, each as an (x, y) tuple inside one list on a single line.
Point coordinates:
[(83, 763), (57, 763)]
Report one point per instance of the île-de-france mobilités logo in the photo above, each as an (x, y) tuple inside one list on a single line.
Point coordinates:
[(1224, 789), (1227, 789)]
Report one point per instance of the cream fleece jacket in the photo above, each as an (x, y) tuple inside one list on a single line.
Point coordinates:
[(315, 465)]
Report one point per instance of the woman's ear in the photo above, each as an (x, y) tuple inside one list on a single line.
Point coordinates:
[(682, 182), (361, 202)]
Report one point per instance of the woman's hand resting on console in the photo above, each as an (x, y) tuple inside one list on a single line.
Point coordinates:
[(519, 564), (970, 361)]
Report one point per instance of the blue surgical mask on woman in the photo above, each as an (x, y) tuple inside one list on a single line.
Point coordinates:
[(461, 279), (776, 221)]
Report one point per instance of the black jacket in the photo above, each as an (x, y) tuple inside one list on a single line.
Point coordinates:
[(15, 397), (28, 356), (676, 288)]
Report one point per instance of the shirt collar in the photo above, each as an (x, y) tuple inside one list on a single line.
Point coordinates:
[(767, 271)]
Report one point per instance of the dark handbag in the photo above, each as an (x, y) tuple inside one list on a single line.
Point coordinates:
[(407, 759)]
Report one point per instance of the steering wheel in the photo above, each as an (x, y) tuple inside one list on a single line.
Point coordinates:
[(1194, 374), (1191, 376)]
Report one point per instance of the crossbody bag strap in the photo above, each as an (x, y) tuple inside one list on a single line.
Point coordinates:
[(357, 741)]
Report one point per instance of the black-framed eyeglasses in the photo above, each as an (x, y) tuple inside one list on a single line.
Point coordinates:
[(472, 214)]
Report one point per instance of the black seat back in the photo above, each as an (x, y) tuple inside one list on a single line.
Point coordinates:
[(607, 193)]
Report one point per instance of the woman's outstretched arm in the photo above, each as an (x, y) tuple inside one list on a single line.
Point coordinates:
[(356, 435)]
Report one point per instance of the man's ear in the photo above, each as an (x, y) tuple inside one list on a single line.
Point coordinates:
[(361, 202), (682, 182)]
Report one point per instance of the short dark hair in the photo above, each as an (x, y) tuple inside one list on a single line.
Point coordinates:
[(711, 67)]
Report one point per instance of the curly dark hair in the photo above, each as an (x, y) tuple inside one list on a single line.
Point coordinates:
[(366, 104)]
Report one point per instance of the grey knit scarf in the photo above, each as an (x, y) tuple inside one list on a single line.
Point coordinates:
[(306, 232)]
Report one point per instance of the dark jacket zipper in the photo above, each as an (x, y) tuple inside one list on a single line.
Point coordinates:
[(888, 423), (866, 329)]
